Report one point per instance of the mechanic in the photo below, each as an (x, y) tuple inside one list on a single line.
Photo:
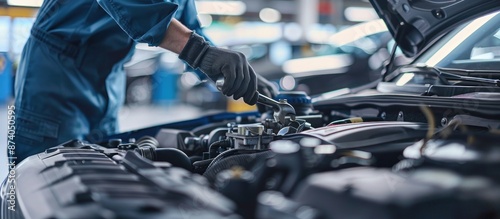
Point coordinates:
[(70, 83)]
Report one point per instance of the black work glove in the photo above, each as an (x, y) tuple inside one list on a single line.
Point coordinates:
[(239, 77)]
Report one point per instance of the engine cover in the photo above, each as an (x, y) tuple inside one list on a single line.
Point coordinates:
[(380, 193), (71, 183), (365, 134), (386, 141)]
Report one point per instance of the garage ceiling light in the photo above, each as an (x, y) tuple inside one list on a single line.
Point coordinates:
[(329, 64), (270, 15), (360, 14), (357, 32), (25, 3), (221, 7)]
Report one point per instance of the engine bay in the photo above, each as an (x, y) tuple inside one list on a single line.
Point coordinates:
[(421, 141), (392, 161)]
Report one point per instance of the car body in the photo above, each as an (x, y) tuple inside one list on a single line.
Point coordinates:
[(423, 144), (354, 55)]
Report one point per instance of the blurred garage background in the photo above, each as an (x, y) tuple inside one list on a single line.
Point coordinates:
[(289, 42)]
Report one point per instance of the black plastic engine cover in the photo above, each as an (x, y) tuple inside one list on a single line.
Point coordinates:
[(380, 193), (365, 135), (385, 140), (71, 183)]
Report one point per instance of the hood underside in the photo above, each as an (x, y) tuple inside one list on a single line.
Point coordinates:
[(417, 23)]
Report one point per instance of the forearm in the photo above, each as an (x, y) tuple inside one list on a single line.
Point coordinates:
[(176, 36)]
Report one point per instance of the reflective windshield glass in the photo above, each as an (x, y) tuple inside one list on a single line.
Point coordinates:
[(474, 46)]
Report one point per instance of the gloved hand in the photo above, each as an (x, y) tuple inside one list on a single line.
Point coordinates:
[(239, 77)]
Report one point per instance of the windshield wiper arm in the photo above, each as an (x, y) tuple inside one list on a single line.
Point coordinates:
[(469, 72), (451, 76), (478, 76)]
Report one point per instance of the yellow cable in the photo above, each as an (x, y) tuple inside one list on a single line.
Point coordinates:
[(431, 125)]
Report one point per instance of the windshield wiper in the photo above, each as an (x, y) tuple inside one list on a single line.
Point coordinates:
[(475, 73), (446, 73)]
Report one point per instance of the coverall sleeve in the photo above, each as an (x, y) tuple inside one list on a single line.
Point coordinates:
[(189, 16), (145, 21), (190, 19)]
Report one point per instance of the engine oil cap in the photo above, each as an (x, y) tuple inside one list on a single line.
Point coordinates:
[(298, 99)]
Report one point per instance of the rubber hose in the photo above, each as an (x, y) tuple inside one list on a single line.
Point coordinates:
[(174, 156)]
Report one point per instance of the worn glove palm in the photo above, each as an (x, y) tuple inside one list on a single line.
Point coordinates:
[(240, 79)]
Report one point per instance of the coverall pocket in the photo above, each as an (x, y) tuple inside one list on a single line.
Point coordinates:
[(34, 128)]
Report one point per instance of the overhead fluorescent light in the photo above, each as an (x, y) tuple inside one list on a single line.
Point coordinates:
[(329, 64), (360, 14), (25, 3), (221, 7), (357, 32), (270, 15)]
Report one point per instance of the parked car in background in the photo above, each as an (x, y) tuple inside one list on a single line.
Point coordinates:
[(349, 58)]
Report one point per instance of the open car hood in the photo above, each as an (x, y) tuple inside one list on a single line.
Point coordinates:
[(417, 23)]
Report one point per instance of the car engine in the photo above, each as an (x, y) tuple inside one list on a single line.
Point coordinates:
[(354, 159)]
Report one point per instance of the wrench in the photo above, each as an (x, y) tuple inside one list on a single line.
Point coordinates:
[(281, 108)]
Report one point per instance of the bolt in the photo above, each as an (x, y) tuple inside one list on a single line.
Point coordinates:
[(401, 116), (439, 14), (406, 7), (444, 121)]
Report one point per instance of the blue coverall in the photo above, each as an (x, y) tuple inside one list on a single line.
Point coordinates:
[(70, 81)]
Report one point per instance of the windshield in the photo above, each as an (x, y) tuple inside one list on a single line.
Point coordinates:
[(473, 46)]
